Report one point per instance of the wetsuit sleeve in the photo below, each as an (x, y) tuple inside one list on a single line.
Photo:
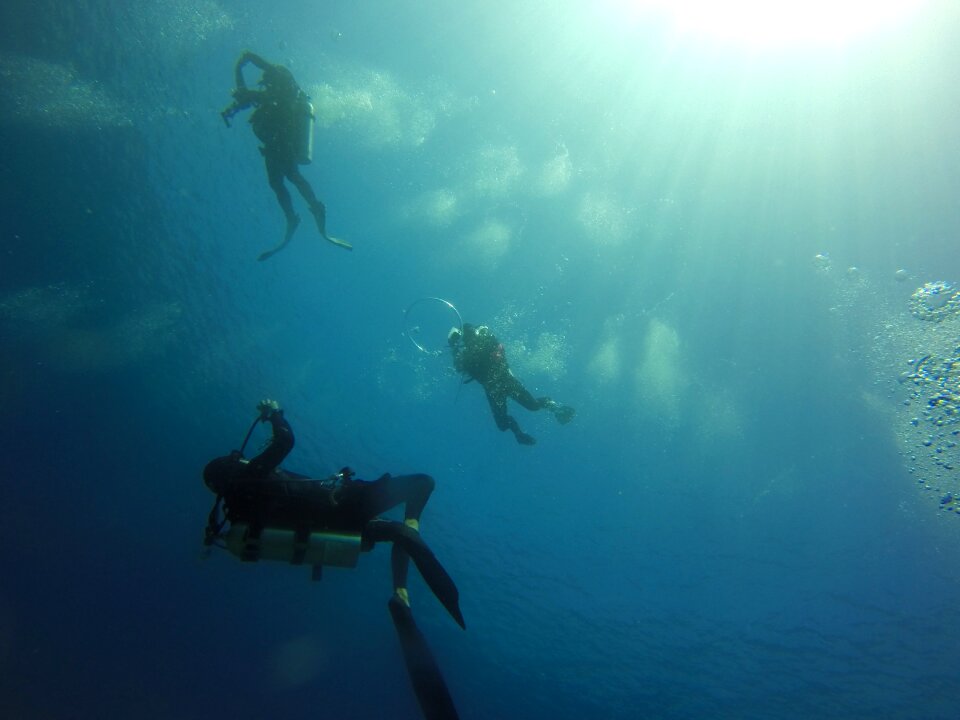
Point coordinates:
[(243, 97), (280, 445), (244, 59)]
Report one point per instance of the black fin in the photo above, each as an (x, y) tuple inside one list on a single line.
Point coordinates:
[(428, 683), (430, 568)]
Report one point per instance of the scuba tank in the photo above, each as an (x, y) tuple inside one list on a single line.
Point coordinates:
[(298, 548), (303, 131)]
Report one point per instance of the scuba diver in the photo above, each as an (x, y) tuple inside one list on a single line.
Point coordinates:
[(275, 514), (479, 355), (283, 121)]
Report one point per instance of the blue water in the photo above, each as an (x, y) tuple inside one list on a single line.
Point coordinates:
[(743, 520)]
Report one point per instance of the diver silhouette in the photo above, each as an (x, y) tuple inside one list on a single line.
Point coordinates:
[(275, 514), (480, 356), (283, 121)]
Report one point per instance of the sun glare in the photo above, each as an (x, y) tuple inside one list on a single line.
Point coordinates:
[(776, 24)]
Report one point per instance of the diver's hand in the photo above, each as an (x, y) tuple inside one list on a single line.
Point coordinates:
[(267, 408), (243, 96)]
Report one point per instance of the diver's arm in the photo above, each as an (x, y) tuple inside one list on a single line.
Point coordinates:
[(280, 445), (243, 97), (244, 59), (255, 59)]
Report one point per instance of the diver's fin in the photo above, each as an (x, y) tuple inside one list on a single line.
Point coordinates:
[(320, 215), (270, 253), (428, 683), (292, 224), (430, 568), (338, 242)]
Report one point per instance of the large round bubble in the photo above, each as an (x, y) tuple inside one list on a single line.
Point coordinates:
[(427, 322)]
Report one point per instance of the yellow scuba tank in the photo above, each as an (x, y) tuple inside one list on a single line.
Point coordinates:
[(304, 134)]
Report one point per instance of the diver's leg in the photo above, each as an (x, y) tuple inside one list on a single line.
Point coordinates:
[(563, 413), (316, 206), (388, 492), (275, 177), (498, 406), (505, 421), (519, 393), (275, 174), (303, 185)]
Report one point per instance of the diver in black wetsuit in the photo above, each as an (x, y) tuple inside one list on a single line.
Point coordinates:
[(480, 356), (258, 494), (281, 120)]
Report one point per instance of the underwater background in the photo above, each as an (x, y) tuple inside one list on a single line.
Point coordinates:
[(738, 263)]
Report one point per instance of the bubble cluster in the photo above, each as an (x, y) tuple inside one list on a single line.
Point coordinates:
[(659, 375), (555, 175), (377, 110), (935, 301), (914, 360), (547, 355), (45, 94), (488, 244), (604, 220), (70, 329), (44, 306), (177, 27), (438, 208), (497, 171), (935, 390), (606, 364), (411, 376)]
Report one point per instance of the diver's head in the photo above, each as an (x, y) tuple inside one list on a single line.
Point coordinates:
[(454, 337), (220, 471), (468, 330)]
